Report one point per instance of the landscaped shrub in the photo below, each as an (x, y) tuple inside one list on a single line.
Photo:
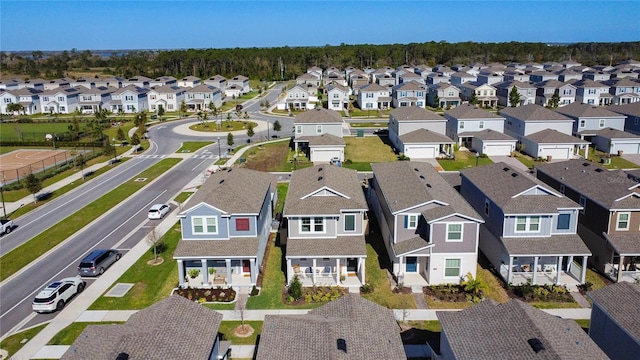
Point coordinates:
[(193, 273), (295, 288), (366, 288), (208, 295), (254, 291)]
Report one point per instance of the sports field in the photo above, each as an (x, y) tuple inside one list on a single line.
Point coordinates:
[(20, 163)]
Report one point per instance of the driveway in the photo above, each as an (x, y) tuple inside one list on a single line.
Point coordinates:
[(512, 162), (634, 158)]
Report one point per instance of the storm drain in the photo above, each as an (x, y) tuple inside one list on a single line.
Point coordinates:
[(119, 290), (140, 179)]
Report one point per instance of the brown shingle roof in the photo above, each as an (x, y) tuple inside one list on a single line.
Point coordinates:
[(555, 245), (318, 116), (245, 247), (533, 112), (619, 301), (407, 113), (425, 136)]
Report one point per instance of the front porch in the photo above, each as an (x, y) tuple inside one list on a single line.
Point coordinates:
[(346, 272), (544, 270), (217, 272), (630, 266)]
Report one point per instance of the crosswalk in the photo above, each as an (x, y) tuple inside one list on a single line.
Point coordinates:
[(206, 157)]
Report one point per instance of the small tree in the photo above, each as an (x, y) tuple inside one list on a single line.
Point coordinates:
[(79, 162), (436, 101), (250, 132), (120, 135), (474, 98), (554, 102), (276, 126), (154, 240), (160, 112), (135, 141), (514, 97), (110, 150), (183, 108), (34, 185), (230, 141), (295, 288)]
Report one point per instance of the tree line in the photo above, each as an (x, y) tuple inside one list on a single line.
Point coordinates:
[(286, 62)]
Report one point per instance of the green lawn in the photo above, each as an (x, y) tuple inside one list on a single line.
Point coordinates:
[(32, 249), (33, 131), (382, 293), (152, 282), (192, 146), (367, 114), (617, 162), (15, 342), (527, 160), (233, 125), (380, 124), (182, 197), (69, 334), (227, 328), (370, 149), (463, 160), (282, 195)]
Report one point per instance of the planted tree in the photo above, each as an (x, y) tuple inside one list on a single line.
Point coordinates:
[(514, 97), (160, 112), (436, 101), (250, 132), (554, 102), (34, 185), (120, 135), (295, 288), (183, 108), (474, 98), (79, 162), (276, 126), (154, 240), (230, 141)]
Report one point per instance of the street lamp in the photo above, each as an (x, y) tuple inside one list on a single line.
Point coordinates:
[(219, 152)]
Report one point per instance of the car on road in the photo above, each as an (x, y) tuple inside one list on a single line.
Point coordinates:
[(239, 107), (57, 294), (158, 211), (97, 262), (6, 225)]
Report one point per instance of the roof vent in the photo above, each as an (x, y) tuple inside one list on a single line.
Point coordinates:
[(342, 344), (221, 181), (319, 178), (536, 344), (599, 170), (585, 164), (566, 168), (319, 169), (416, 169), (584, 171), (428, 185), (422, 177), (122, 356), (505, 169), (514, 175)]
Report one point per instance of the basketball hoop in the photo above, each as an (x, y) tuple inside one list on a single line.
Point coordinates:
[(49, 137)]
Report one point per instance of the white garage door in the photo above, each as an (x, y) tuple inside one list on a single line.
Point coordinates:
[(556, 153), (627, 148), (324, 155), (497, 149), (420, 152)]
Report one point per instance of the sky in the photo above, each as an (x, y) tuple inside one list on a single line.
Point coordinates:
[(154, 24)]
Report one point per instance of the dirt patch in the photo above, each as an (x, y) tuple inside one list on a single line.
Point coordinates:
[(155, 262), (208, 295), (243, 331), (267, 158)]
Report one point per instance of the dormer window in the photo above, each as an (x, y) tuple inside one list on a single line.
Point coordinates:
[(312, 225), (202, 225)]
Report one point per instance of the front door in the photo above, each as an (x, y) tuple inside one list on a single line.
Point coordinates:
[(246, 267), (412, 264), (352, 265)]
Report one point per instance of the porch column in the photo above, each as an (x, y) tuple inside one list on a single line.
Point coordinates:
[(401, 266), (586, 152), (362, 270), (620, 262), (583, 276), (289, 270), (254, 270), (569, 263), (227, 263), (338, 272), (180, 271), (510, 270), (204, 271), (313, 274), (559, 269), (535, 269)]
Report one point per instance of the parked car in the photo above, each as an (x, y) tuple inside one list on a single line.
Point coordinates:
[(382, 132), (6, 226), (57, 294), (158, 211), (97, 262), (239, 107)]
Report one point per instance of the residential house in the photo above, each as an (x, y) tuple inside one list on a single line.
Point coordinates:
[(589, 119), (410, 76), (551, 144), (530, 231), (296, 98), (318, 133), (37, 84), (201, 97), (189, 81), (315, 71), (337, 97), (60, 100), (570, 64), (225, 228), (410, 93), (27, 97), (624, 90), (479, 130), (632, 112), (162, 81), (596, 75), (309, 82), (325, 226), (139, 81), (489, 77), (408, 124), (568, 75), (240, 81), (443, 95), (218, 81), (526, 90), (374, 97), (173, 328), (350, 327), (95, 99), (491, 331), (385, 80), (115, 81), (543, 75), (57, 83), (130, 99), (437, 78), (610, 216), (528, 119), (592, 92), (233, 91), (429, 231), (10, 84), (335, 77), (170, 97), (517, 76), (485, 94), (85, 83), (546, 89), (614, 320), (359, 81), (459, 78)]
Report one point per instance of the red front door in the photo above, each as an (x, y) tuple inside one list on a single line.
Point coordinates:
[(246, 266)]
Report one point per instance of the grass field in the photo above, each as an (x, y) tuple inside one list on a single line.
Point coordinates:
[(192, 146), (227, 328), (15, 342), (366, 150), (69, 334), (463, 160), (234, 125), (32, 131)]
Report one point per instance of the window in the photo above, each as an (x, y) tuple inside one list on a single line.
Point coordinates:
[(170, 106), (601, 123), (481, 125), (451, 94), (411, 221), (590, 102), (242, 224), (298, 129), (452, 267), (454, 232), (152, 97), (350, 222), (369, 95), (45, 98), (312, 225), (461, 124), (60, 98), (562, 188), (591, 91), (527, 224), (583, 203), (204, 225), (623, 221), (169, 96), (319, 129), (62, 109), (128, 98), (7, 101), (564, 220), (486, 207), (566, 91), (336, 96), (583, 123)]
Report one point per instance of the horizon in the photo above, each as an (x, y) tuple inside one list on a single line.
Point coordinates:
[(169, 25)]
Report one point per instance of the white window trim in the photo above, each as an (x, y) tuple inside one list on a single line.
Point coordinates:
[(344, 225), (318, 129), (204, 225), (409, 221), (312, 225), (527, 224), (461, 232), (298, 129), (618, 228), (444, 268)]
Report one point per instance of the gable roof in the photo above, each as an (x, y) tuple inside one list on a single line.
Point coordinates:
[(579, 110), (488, 134), (324, 140), (617, 302), (490, 330), (341, 182), (553, 136), (411, 113), (173, 328), (611, 133), (410, 86), (533, 112), (406, 184), (369, 331), (424, 136), (373, 87), (631, 109), (132, 88), (318, 116), (202, 88), (469, 111)]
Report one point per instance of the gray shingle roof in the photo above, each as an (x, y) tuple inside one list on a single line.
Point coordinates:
[(553, 136), (533, 112), (501, 331), (407, 113), (369, 330), (424, 136), (619, 301), (631, 109), (173, 328), (318, 116), (500, 183), (235, 191), (625, 244), (611, 133), (325, 139), (335, 179), (373, 87), (410, 245), (579, 110), (468, 111), (245, 247), (410, 86), (570, 244), (406, 184), (340, 246), (488, 134)]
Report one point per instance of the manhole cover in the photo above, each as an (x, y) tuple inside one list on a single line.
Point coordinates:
[(119, 290), (140, 179)]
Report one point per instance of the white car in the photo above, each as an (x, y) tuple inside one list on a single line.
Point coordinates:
[(57, 294), (158, 211)]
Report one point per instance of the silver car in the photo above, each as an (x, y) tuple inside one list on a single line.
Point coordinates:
[(97, 262)]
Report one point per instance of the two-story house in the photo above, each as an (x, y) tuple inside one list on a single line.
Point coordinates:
[(410, 93), (189, 81), (490, 77), (546, 89), (610, 218), (130, 99), (374, 97), (95, 99), (218, 81), (114, 81), (242, 82), (325, 224), (309, 82), (527, 92), (225, 227), (201, 97), (443, 95), (592, 92), (318, 133), (27, 97), (337, 97), (162, 81), (459, 78), (530, 231), (139, 81), (430, 232), (632, 112), (61, 100), (623, 90), (479, 130), (419, 133), (296, 98), (485, 94), (170, 97)]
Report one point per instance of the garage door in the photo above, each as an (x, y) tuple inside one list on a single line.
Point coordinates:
[(497, 149), (556, 153), (420, 152), (627, 148), (324, 155)]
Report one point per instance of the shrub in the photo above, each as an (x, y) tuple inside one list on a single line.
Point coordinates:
[(193, 273), (295, 288), (254, 291), (366, 288)]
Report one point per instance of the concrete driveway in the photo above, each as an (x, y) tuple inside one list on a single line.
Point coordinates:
[(634, 158)]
